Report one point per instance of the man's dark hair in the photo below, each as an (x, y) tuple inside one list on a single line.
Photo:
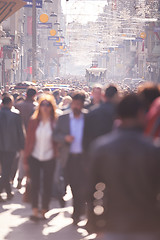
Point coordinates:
[(15, 96), (31, 92), (129, 106), (149, 92), (5, 94), (7, 100), (110, 91), (80, 95), (56, 93)]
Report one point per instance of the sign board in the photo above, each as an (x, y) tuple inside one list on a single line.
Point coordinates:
[(57, 44), (53, 38), (30, 3), (44, 25)]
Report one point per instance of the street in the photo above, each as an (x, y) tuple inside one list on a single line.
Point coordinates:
[(15, 223)]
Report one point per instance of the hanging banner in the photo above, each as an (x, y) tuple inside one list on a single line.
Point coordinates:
[(53, 38), (57, 44), (30, 3), (44, 25)]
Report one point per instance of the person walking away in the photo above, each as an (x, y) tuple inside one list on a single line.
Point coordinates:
[(26, 108), (40, 153), (100, 120), (124, 179), (11, 141), (69, 134)]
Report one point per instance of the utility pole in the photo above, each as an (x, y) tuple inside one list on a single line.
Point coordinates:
[(34, 45)]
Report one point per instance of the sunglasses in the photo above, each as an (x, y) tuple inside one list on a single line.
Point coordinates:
[(45, 104)]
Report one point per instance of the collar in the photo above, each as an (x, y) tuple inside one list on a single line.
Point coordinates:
[(71, 115)]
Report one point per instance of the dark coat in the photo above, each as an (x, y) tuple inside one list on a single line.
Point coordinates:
[(26, 108), (129, 165), (98, 122), (11, 131)]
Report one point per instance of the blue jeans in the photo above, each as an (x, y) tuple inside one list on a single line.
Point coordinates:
[(140, 236)]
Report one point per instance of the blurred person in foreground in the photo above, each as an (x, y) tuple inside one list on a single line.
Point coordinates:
[(148, 92), (26, 108), (153, 120), (69, 135), (100, 120), (11, 141), (124, 179), (40, 154)]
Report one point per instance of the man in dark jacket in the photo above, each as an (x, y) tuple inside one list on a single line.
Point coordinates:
[(27, 107), (124, 181), (11, 141), (100, 120), (69, 134)]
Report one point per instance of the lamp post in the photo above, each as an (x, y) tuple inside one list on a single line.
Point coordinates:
[(34, 40)]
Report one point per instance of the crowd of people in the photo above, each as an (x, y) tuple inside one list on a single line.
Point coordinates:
[(104, 143)]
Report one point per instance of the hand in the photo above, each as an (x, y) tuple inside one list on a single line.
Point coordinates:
[(21, 154), (69, 138), (26, 169)]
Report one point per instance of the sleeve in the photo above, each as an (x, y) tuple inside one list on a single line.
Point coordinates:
[(58, 134), (28, 141), (20, 132)]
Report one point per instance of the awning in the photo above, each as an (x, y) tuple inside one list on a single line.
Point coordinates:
[(9, 7)]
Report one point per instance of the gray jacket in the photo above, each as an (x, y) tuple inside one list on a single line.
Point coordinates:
[(62, 129)]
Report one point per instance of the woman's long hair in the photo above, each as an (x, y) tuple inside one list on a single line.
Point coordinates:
[(49, 98)]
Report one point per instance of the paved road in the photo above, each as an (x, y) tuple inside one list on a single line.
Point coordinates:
[(15, 223)]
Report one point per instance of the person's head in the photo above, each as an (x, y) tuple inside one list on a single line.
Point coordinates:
[(97, 93), (77, 104), (149, 92), (111, 94), (63, 92), (31, 93), (19, 99), (56, 93), (7, 101), (131, 110), (66, 101), (15, 96), (46, 107), (86, 89)]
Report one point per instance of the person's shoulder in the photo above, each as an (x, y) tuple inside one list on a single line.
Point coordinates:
[(15, 111), (84, 111), (104, 142), (95, 111), (65, 114)]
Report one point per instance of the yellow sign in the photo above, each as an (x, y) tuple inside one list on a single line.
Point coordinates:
[(44, 18), (53, 32), (58, 40), (61, 47), (143, 35)]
